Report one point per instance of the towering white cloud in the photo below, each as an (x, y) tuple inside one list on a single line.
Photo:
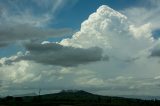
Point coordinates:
[(112, 31)]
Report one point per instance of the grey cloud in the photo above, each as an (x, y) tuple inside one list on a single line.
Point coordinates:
[(2, 44), (10, 34), (56, 54), (155, 51)]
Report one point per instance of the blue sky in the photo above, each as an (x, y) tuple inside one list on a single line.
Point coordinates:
[(107, 42), (69, 17)]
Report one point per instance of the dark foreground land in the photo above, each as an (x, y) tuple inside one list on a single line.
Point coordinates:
[(75, 98)]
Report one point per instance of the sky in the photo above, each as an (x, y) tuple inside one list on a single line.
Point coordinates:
[(109, 47)]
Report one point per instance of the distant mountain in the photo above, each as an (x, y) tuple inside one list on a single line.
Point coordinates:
[(74, 98), (23, 95), (73, 92), (143, 97)]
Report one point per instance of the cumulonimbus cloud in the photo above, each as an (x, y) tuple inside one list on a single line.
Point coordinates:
[(112, 31), (106, 31)]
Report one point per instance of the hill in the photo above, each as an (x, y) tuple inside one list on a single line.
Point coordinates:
[(75, 98)]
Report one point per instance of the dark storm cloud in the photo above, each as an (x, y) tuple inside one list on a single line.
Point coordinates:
[(10, 34), (56, 54)]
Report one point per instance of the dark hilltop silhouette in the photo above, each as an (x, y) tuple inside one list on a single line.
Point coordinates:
[(75, 98)]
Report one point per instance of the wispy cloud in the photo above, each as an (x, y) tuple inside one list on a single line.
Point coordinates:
[(36, 13), (21, 22), (148, 13)]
